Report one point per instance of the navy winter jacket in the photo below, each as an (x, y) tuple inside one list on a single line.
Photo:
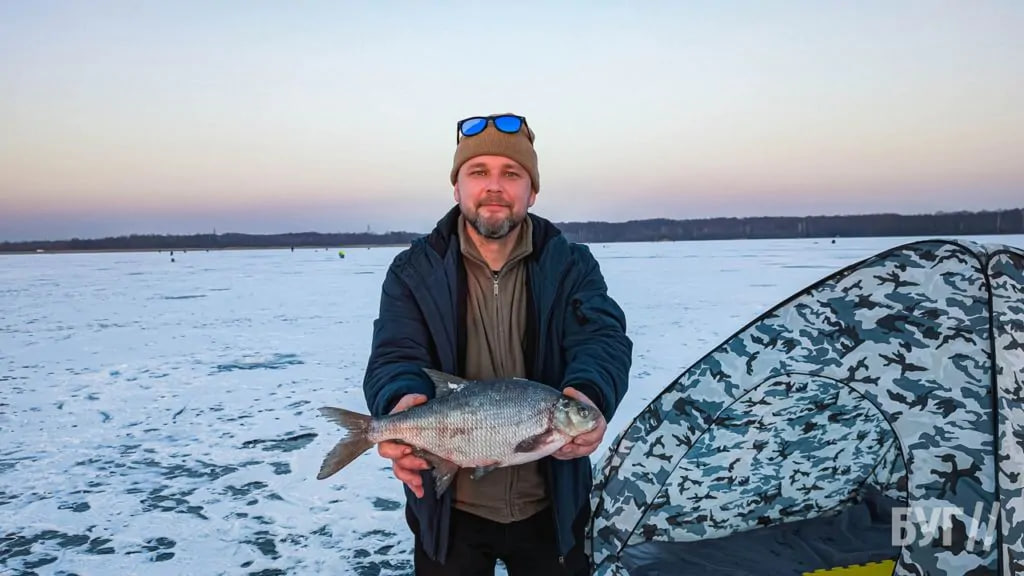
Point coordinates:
[(576, 336)]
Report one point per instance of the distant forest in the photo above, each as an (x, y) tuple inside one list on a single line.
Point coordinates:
[(652, 230)]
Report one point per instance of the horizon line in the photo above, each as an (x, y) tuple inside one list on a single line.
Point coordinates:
[(557, 223)]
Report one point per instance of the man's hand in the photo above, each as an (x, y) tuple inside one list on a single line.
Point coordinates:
[(584, 444), (406, 466)]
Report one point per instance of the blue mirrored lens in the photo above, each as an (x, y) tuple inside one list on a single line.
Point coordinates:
[(473, 126), (509, 124)]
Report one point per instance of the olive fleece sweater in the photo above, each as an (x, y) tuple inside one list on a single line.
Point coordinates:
[(495, 328)]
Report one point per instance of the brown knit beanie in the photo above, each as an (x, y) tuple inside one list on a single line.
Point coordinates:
[(491, 141)]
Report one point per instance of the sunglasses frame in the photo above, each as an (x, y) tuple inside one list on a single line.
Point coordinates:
[(490, 121)]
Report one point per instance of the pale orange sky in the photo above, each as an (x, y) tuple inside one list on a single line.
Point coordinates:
[(183, 117)]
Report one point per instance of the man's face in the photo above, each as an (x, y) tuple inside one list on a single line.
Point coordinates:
[(494, 193)]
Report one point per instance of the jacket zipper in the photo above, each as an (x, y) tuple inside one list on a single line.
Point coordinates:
[(495, 279), (545, 320)]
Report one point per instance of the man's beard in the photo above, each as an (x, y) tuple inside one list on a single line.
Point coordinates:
[(495, 230)]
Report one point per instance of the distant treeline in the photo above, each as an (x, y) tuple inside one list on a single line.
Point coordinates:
[(939, 224), (212, 241)]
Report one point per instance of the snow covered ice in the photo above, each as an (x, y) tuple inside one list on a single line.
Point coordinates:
[(159, 417)]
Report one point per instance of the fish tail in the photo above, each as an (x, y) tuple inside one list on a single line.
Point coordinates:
[(351, 446)]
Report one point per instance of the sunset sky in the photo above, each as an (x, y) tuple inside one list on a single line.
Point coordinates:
[(182, 117)]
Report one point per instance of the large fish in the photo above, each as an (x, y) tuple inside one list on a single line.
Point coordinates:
[(469, 424)]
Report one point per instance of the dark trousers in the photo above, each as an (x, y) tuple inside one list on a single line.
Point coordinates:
[(527, 547)]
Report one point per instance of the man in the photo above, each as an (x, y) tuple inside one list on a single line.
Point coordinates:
[(494, 291)]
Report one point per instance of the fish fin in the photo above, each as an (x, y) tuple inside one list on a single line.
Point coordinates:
[(481, 471), (442, 470), (445, 383), (533, 443), (351, 446)]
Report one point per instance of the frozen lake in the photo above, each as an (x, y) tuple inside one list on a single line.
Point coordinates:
[(160, 417)]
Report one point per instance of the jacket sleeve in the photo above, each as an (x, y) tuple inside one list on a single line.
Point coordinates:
[(598, 351), (399, 349)]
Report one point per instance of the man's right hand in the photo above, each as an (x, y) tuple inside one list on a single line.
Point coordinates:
[(406, 466)]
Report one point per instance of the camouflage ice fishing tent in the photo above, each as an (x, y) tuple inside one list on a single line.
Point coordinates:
[(891, 389)]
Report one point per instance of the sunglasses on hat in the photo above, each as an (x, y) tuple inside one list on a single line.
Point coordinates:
[(507, 123)]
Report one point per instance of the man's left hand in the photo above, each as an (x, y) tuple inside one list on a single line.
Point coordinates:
[(584, 444)]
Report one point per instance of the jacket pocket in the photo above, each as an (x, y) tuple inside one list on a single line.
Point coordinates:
[(577, 312)]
